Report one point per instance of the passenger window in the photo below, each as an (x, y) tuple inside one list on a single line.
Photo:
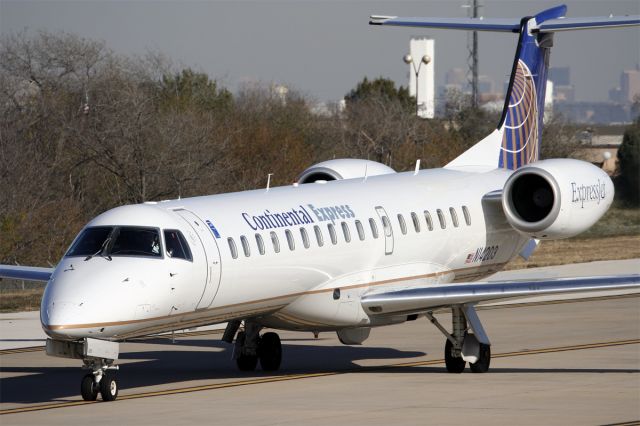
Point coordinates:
[(467, 217), (275, 241), (232, 247), (260, 243), (245, 246), (360, 230), (177, 246), (403, 226), (454, 216), (290, 241), (416, 221), (305, 237), (345, 231), (332, 233), (374, 228), (427, 217), (319, 238), (387, 226), (443, 223)]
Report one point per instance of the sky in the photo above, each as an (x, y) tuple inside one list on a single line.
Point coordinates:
[(323, 48)]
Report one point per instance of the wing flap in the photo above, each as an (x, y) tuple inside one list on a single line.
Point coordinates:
[(427, 298), (28, 273)]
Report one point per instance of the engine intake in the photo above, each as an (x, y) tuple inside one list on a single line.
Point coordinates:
[(345, 168), (554, 199)]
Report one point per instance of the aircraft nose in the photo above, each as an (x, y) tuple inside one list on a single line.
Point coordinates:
[(59, 318)]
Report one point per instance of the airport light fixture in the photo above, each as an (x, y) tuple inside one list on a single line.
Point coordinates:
[(408, 59)]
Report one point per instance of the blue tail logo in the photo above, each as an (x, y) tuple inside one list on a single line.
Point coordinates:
[(521, 138), (524, 106)]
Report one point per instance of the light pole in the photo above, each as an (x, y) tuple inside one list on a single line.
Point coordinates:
[(408, 59)]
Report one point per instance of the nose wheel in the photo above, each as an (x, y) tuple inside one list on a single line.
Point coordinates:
[(100, 381)]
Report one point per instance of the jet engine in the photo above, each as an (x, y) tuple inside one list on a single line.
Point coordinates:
[(554, 199), (345, 168)]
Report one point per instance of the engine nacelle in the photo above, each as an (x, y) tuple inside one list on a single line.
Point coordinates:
[(554, 199), (345, 168)]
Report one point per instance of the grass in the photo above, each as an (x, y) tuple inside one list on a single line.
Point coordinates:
[(21, 300), (618, 221)]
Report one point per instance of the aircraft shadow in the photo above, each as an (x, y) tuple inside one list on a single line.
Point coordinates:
[(43, 384), (176, 367)]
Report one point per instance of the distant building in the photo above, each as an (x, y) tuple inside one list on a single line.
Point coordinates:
[(594, 112), (629, 87), (600, 146), (563, 90), (630, 84), (560, 76), (418, 48)]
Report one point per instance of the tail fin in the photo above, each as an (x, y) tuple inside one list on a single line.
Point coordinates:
[(516, 141), (521, 122)]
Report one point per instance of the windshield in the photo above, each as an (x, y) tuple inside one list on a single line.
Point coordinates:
[(117, 241)]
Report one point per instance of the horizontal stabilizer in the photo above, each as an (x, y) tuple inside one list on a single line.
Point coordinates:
[(507, 24), (27, 273), (443, 295), (476, 24), (566, 24)]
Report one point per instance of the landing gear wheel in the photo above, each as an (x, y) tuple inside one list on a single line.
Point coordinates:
[(454, 364), (270, 351), (484, 359), (88, 388), (245, 362), (108, 388)]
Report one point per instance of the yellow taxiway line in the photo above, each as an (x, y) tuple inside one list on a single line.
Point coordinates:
[(288, 377)]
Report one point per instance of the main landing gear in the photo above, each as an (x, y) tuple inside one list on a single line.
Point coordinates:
[(250, 348), (462, 346)]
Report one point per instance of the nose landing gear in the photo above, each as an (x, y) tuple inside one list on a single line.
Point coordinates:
[(97, 356), (101, 380)]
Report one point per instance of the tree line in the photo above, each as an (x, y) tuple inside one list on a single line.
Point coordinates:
[(84, 129)]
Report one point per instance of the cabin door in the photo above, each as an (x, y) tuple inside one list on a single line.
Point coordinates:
[(386, 228), (211, 253)]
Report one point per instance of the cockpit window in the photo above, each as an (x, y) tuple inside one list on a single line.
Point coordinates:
[(91, 241), (177, 246), (117, 241), (130, 241)]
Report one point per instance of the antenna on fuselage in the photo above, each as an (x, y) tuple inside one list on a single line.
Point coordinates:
[(417, 167), (366, 165), (269, 180)]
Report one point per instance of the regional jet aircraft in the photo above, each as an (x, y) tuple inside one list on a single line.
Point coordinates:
[(350, 246)]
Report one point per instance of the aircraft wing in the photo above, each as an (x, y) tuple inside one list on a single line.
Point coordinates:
[(442, 295), (28, 273)]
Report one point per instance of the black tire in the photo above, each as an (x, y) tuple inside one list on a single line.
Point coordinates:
[(88, 388), (454, 364), (108, 388), (247, 362), (270, 352), (243, 361), (482, 365)]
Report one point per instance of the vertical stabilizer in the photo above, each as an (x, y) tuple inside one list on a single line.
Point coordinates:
[(521, 122)]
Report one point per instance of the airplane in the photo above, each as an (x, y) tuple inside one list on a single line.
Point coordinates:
[(350, 246)]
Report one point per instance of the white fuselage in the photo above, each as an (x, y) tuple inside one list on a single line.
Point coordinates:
[(302, 287)]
